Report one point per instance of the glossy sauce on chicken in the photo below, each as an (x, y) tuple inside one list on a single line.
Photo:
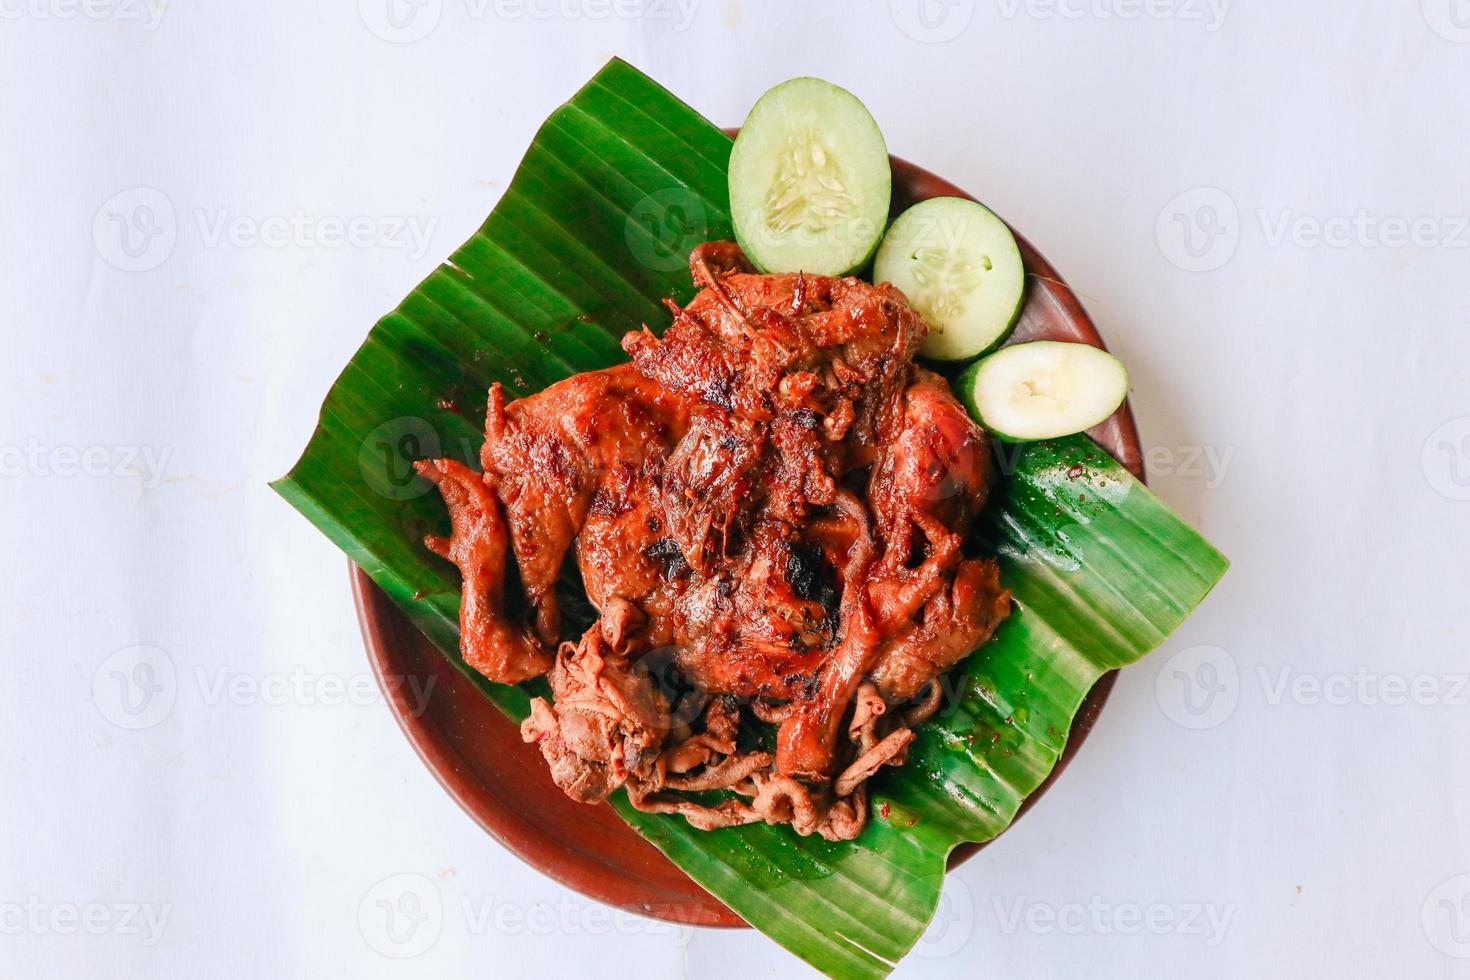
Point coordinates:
[(768, 507)]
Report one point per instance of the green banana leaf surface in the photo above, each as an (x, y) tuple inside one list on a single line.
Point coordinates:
[(593, 232)]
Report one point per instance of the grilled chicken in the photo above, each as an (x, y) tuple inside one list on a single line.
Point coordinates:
[(768, 506)]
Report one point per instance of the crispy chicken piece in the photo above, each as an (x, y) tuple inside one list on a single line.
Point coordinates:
[(582, 458), (610, 718), (489, 641), (769, 506), (706, 481), (955, 621), (934, 476), (758, 627), (807, 740), (838, 350)]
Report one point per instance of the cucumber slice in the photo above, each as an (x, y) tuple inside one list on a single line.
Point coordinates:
[(960, 267), (809, 180), (1043, 390)]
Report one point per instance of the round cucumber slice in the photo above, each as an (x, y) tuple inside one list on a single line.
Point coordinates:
[(1043, 390), (960, 267), (809, 180)]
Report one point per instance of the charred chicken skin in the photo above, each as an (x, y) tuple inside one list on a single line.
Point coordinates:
[(767, 506)]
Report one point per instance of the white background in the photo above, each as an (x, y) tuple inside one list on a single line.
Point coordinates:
[(1307, 404)]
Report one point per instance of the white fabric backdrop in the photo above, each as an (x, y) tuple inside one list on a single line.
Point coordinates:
[(1262, 204)]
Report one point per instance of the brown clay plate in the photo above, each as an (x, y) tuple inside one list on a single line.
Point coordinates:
[(502, 783)]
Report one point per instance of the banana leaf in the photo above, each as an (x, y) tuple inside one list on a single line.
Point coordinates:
[(591, 234)]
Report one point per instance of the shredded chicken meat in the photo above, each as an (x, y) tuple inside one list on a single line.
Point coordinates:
[(768, 507)]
